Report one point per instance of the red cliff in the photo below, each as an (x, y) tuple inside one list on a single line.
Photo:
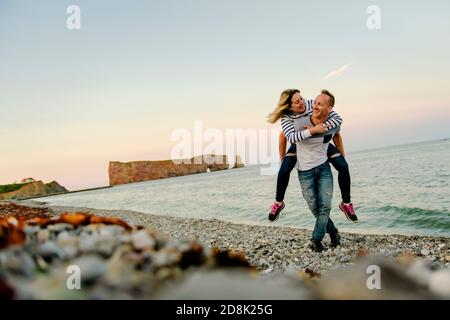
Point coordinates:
[(136, 171)]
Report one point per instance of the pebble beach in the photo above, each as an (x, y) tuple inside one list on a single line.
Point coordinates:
[(268, 251), (279, 247)]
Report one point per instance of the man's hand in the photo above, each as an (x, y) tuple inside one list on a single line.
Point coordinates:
[(318, 128)]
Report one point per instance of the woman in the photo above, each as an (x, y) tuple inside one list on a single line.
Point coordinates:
[(291, 106)]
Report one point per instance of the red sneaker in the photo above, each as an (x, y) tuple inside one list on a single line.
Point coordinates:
[(349, 212), (275, 211)]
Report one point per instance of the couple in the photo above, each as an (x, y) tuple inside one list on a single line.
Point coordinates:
[(309, 126)]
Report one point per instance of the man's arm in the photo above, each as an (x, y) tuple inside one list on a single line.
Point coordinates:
[(282, 145), (337, 139), (287, 125)]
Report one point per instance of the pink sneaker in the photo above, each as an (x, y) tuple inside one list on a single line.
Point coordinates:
[(349, 212), (275, 211)]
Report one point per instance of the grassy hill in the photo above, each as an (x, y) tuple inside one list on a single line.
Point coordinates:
[(11, 187)]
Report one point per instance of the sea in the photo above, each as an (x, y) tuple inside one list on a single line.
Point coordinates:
[(395, 190)]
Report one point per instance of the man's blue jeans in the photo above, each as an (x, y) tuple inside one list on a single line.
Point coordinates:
[(317, 189)]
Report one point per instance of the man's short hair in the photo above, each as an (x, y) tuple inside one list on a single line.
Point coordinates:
[(330, 95)]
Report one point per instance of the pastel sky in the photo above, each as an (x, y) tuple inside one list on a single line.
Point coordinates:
[(72, 100)]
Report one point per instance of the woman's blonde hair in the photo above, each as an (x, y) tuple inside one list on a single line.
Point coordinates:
[(284, 105)]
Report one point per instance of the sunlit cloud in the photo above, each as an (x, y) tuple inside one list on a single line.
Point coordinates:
[(337, 72)]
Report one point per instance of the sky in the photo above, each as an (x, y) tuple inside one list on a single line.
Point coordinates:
[(136, 71)]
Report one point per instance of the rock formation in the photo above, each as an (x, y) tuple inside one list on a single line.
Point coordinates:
[(238, 163), (136, 171), (33, 189)]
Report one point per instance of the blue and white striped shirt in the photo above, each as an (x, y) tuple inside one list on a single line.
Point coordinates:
[(287, 123)]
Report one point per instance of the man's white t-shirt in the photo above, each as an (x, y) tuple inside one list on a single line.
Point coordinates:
[(312, 152)]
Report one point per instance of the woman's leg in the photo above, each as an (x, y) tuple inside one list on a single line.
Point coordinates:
[(287, 165), (341, 165), (284, 173)]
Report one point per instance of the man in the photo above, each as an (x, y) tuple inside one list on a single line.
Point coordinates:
[(314, 173), (336, 156)]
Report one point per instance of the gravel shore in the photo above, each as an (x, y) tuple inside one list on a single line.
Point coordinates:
[(81, 253), (272, 248)]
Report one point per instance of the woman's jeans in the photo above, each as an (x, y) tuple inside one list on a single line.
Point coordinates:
[(317, 189), (339, 163)]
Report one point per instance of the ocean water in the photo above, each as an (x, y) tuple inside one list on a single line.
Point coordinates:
[(402, 189)]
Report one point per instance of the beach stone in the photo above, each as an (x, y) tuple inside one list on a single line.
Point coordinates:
[(87, 243), (425, 252), (141, 240), (18, 262), (68, 243), (31, 230), (176, 258), (160, 240), (50, 250), (266, 271), (43, 235), (145, 263), (111, 230), (406, 258), (91, 266), (105, 245), (58, 227), (70, 251), (440, 283), (362, 253), (41, 264), (419, 271), (124, 239), (65, 237), (351, 283), (447, 258)]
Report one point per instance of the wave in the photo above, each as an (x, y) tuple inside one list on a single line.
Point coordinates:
[(436, 221)]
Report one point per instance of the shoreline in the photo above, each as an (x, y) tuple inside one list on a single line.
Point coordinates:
[(60, 193), (277, 248), (374, 232)]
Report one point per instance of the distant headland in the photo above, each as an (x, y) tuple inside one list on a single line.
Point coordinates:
[(29, 188), (137, 171)]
